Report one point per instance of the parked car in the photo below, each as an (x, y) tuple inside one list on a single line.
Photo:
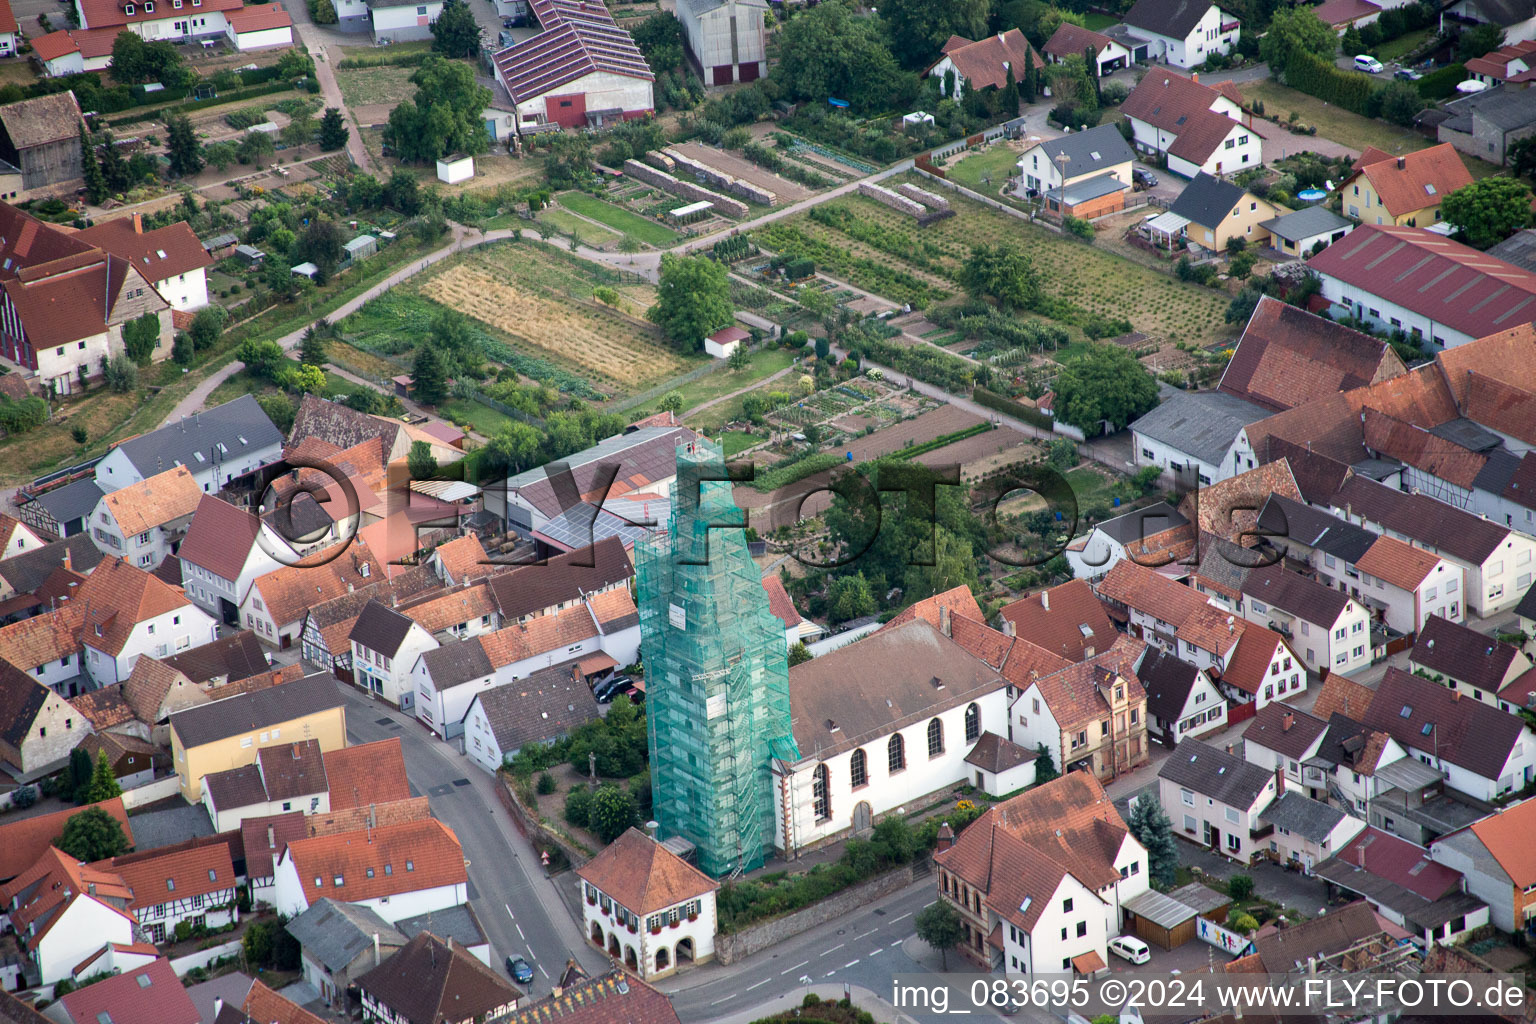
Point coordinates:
[(1370, 65), (1407, 75), (607, 689), (505, 39), (1143, 178), (520, 971), (1130, 948)]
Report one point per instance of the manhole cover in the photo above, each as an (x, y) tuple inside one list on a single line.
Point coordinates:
[(384, 721), (461, 782)]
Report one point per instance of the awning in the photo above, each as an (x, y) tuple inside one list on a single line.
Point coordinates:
[(1088, 964), (1169, 223), (445, 490), (595, 663), (995, 940)]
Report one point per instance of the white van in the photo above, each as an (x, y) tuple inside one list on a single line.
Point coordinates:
[(1370, 65), (1130, 948)]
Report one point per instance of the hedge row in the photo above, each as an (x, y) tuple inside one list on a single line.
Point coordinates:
[(193, 105), (1017, 410), (1317, 77), (396, 60)]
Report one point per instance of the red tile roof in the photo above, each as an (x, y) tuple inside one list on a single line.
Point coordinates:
[(369, 773), (116, 597), (54, 45), (643, 875), (463, 556), (613, 998), (402, 858), (220, 537), (1070, 39), (23, 842), (779, 602), (1345, 12), (154, 502), (579, 39), (1068, 620), (257, 17), (183, 874), (267, 1007), (1162, 98), (985, 62), (1404, 864), (159, 254), (1287, 357), (958, 600), (266, 836), (1401, 565), (1496, 63), (45, 889), (1202, 133), (1249, 665), (1415, 180), (1507, 835), (111, 13), (151, 994)]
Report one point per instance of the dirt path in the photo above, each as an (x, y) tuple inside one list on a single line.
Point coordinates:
[(739, 391)]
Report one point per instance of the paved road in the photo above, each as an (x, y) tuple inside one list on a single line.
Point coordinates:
[(517, 905), (315, 40)]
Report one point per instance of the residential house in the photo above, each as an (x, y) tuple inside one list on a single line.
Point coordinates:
[(143, 523), (1092, 714), (62, 511), (1216, 211), (982, 63), (278, 602), (385, 648), (1170, 114), (366, 775), (1183, 33), (191, 886), (1404, 190), (1329, 629), (458, 614), (227, 733), (1264, 667), (62, 911), (1282, 738), (10, 32), (1070, 40), (1310, 229), (1068, 620), (226, 549), (23, 841), (1484, 125), (154, 691), (542, 708), (783, 609), (229, 659), (581, 71), (1307, 832), (258, 27), (340, 942), (1000, 766), (1214, 799), (41, 135), (345, 429), (1181, 699), (195, 20), (283, 778), (1518, 23), (1174, 617), (460, 560), (152, 993), (1040, 880), (396, 870), (107, 711), (1493, 855), (132, 760), (1190, 434), (1461, 657), (1405, 886), (16, 538), (48, 648), (727, 39), (171, 258), (457, 923), (1152, 536), (1509, 63), (217, 446), (393, 20), (1095, 163), (877, 724), (40, 726), (127, 613), (261, 1003), (73, 51), (1483, 751), (616, 997), (643, 461), (264, 839), (647, 907), (432, 981)]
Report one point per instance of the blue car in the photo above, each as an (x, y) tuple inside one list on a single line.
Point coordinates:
[(520, 971)]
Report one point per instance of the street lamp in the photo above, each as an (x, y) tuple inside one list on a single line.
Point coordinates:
[(1062, 159)]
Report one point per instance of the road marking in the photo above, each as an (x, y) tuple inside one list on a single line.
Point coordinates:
[(894, 944), (829, 974), (749, 988), (866, 934), (850, 963), (874, 952), (727, 999), (531, 954), (903, 917), (834, 949), (519, 931), (509, 911), (543, 971), (797, 966)]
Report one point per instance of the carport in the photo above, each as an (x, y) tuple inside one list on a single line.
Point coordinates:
[(1160, 919)]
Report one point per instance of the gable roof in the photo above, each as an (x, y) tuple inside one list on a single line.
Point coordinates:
[(234, 657), (1506, 834), (986, 61), (1069, 39), (1211, 771), (1399, 564), (264, 837), (1248, 666), (957, 600), (228, 431), (291, 590), (1309, 221), (157, 878), (151, 681), (1343, 695), (334, 933), (463, 557), (1207, 199), (1202, 423), (578, 39), (1280, 950), (23, 842), (1173, 18), (996, 754), (613, 998), (643, 875), (158, 254), (42, 119), (1307, 599), (264, 1005), (1285, 730), (1229, 508), (32, 643), (1073, 693), (153, 501), (1425, 715), (256, 710), (643, 457), (1148, 590), (1313, 820), (103, 708), (116, 597), (1288, 356), (151, 994), (241, 786), (779, 602), (72, 501), (437, 612), (367, 774), (1167, 100), (1350, 744), (1297, 521), (547, 704), (1415, 180), (292, 770), (380, 628), (406, 857), (529, 589), (1068, 620), (38, 897), (1168, 681), (1091, 152), (220, 537), (1460, 534)]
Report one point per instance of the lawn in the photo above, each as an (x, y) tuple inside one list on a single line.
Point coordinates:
[(375, 86), (1099, 22), (765, 362), (996, 162), (1332, 121), (480, 418), (734, 442), (586, 232), (623, 221), (1392, 49), (242, 383)]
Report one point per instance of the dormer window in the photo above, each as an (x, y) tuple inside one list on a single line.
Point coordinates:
[(128, 10), (149, 6)]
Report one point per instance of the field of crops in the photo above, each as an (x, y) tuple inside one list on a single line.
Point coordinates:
[(883, 251)]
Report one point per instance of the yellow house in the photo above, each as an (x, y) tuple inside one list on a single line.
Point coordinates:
[(1405, 189), (1215, 211), (225, 734)]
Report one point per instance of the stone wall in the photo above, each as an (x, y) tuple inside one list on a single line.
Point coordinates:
[(883, 195), (738, 945), (719, 179), (684, 189), (923, 196), (660, 161)]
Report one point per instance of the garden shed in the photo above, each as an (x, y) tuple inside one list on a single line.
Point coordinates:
[(360, 248), (456, 168), (725, 341), (308, 270)]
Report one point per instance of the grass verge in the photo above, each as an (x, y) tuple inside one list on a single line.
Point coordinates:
[(621, 220)]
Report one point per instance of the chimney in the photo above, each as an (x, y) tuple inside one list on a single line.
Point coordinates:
[(138, 223), (1455, 695), (1402, 162), (1045, 600), (1229, 748), (375, 949), (1279, 782), (1194, 76), (1088, 652), (946, 838), (271, 838), (944, 619), (1286, 721), (1009, 629), (68, 562)]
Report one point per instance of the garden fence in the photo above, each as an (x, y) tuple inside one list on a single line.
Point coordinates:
[(656, 392)]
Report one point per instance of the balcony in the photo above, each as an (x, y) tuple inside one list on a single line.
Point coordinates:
[(1264, 832)]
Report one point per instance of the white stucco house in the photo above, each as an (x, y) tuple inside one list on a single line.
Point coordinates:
[(645, 906), (542, 708), (398, 871), (1174, 115), (1214, 798), (1307, 832), (1183, 33), (144, 522), (225, 550), (144, 616), (1327, 628), (1146, 534), (216, 446), (1494, 856), (385, 648), (56, 934)]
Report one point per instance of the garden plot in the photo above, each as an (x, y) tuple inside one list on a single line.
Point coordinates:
[(740, 167)]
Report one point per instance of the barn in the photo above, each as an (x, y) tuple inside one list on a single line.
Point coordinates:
[(581, 71), (41, 136), (726, 38)]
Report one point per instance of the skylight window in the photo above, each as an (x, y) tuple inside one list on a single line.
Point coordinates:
[(1407, 711), (1095, 155), (143, 981), (1429, 189), (199, 456), (160, 253), (1429, 727)]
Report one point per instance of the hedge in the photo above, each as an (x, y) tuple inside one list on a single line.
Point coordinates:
[(1440, 84), (1017, 410), (160, 113), (1317, 77), (398, 60)]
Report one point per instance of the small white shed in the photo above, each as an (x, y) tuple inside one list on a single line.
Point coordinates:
[(724, 341), (999, 766), (308, 270), (456, 168)]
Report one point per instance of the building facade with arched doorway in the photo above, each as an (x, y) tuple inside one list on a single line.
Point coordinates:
[(880, 724), (651, 911)]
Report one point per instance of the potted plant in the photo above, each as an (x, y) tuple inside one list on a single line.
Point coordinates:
[(656, 929), (692, 916)]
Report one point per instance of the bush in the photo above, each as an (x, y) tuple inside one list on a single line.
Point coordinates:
[(78, 434), (578, 805), (120, 373), (546, 784), (23, 797), (1240, 887)]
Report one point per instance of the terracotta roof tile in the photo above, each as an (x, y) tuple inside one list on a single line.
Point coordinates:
[(1147, 590), (107, 13), (158, 254), (1069, 39), (613, 998), (35, 642), (1055, 619), (958, 600), (458, 606), (985, 62), (1249, 665), (23, 842), (402, 858), (116, 597), (430, 981), (643, 875), (154, 502), (151, 994), (1507, 836), (1401, 565), (104, 708), (1230, 508), (1418, 447), (51, 882), (266, 836), (150, 683), (289, 592), (369, 773), (779, 601), (42, 119), (350, 819), (184, 874), (1073, 693), (1285, 729), (292, 770), (264, 1005), (1163, 97), (1415, 180), (220, 537), (1342, 695), (1287, 356), (1211, 629), (463, 557)]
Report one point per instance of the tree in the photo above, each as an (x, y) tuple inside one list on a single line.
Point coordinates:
[(333, 129), (1400, 102), (120, 373), (403, 193), (1030, 84), (1294, 31), (221, 154), (140, 337), (1107, 383), (515, 447), (569, 161), (456, 33), (578, 805), (103, 784), (430, 380), (1154, 831), (77, 778), (694, 299), (1240, 887), (740, 358), (95, 184), (420, 461), (1241, 265), (660, 39), (671, 402), (1008, 99), (1350, 42), (1062, 454), (613, 813), (321, 245), (207, 325), (315, 343), (261, 358), (1488, 211), (114, 169), (954, 563), (257, 944), (1002, 272), (182, 147), (1244, 923), (279, 409), (254, 147), (918, 28), (1478, 40), (830, 51), (92, 835), (938, 924), (136, 60), (849, 597), (799, 654), (299, 131), (1045, 764), (444, 115), (325, 12)]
